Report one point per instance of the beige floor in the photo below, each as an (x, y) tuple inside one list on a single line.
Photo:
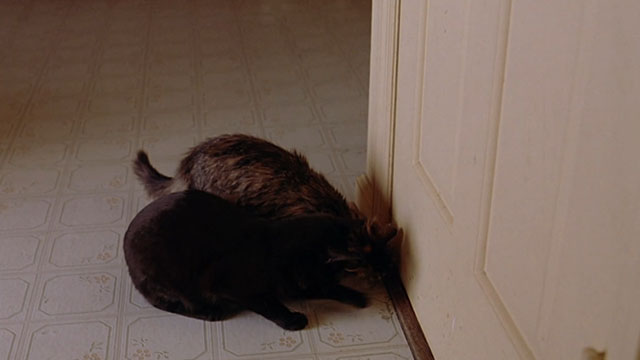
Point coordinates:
[(83, 84)]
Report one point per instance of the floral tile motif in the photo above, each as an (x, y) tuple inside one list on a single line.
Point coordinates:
[(342, 327), (72, 294), (29, 182), (38, 154), (249, 334), (27, 214), (85, 248), (92, 210), (398, 353), (88, 178), (82, 341), (165, 337)]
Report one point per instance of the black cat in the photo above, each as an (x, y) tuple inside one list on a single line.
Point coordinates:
[(196, 254)]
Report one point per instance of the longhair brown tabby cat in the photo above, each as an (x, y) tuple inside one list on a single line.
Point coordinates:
[(270, 182)]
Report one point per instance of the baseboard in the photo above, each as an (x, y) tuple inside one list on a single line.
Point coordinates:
[(372, 202), (410, 325)]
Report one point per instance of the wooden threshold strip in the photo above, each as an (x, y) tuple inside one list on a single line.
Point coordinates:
[(412, 330)]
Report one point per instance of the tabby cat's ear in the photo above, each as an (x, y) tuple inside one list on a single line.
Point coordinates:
[(381, 233), (355, 211)]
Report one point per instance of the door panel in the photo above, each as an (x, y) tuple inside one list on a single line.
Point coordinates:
[(441, 177), (438, 134), (516, 176)]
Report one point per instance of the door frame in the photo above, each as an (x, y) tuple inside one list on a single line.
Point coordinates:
[(374, 188)]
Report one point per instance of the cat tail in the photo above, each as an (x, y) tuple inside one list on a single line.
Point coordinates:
[(155, 183)]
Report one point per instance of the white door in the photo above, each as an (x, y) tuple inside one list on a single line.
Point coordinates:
[(516, 176)]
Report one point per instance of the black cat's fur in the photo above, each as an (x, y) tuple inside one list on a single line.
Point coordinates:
[(270, 182), (196, 254)]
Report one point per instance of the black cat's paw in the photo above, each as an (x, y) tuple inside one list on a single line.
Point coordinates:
[(296, 321)]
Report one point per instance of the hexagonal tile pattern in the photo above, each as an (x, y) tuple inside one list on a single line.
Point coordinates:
[(85, 248), (343, 327), (168, 121), (135, 298), (110, 124), (307, 138), (21, 214), (399, 353), (98, 178), (82, 340), (38, 154), (115, 103), (29, 182), (289, 114), (343, 111), (50, 128), (165, 337), (249, 334), (7, 341), (169, 145), (13, 293), (104, 149), (92, 210), (18, 252), (77, 294), (322, 162)]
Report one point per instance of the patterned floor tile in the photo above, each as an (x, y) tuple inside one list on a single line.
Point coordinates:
[(85, 84)]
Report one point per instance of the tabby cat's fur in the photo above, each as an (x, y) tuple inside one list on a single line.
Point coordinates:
[(267, 181)]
